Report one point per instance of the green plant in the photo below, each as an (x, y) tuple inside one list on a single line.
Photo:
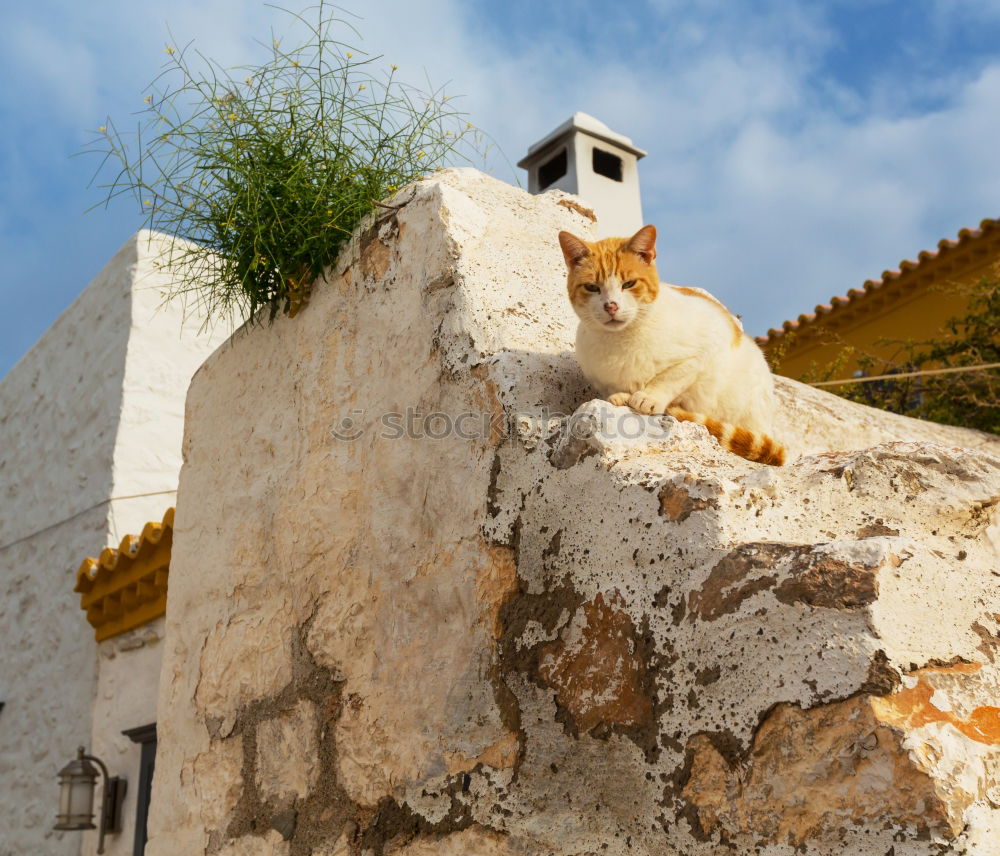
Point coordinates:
[(970, 398), (836, 368), (264, 171)]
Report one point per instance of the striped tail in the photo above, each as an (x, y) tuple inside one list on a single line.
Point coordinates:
[(739, 441)]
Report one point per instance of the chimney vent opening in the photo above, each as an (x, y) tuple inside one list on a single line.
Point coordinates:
[(552, 170), (607, 164)]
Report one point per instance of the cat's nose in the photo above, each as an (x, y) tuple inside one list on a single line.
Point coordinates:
[(611, 308)]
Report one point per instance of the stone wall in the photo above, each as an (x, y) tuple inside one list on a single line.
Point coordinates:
[(556, 635), (93, 411)]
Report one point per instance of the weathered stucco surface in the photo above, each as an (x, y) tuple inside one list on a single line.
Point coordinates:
[(596, 634), (94, 411)]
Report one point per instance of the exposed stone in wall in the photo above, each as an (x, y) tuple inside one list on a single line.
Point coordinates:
[(566, 629), (288, 753), (475, 839), (271, 844), (596, 668), (217, 780), (858, 762)]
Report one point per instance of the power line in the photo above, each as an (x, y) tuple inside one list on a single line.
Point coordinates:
[(84, 511), (907, 374)]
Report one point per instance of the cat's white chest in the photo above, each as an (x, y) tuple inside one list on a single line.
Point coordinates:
[(618, 362), (683, 351)]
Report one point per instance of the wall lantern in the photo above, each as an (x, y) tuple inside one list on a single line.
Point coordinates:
[(76, 797)]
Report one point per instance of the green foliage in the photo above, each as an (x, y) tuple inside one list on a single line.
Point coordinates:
[(264, 171), (970, 399), (967, 398)]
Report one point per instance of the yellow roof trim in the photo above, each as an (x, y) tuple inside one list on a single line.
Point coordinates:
[(123, 589)]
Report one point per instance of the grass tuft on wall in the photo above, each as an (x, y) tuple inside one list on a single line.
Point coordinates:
[(264, 171)]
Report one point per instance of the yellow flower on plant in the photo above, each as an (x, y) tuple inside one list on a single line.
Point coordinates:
[(148, 99), (169, 50), (360, 86), (232, 117), (148, 202), (395, 68), (349, 54), (103, 128)]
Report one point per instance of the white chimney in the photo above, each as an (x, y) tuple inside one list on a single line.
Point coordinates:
[(584, 156)]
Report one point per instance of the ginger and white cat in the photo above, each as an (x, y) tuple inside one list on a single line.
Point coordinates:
[(661, 348)]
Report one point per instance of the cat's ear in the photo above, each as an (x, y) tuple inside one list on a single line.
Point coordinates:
[(643, 244), (573, 249)]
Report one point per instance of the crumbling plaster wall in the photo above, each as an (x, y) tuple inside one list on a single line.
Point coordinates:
[(597, 634)]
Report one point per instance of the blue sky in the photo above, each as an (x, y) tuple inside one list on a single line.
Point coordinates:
[(795, 149)]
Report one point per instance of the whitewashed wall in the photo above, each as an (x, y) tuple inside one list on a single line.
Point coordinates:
[(128, 674), (92, 412)]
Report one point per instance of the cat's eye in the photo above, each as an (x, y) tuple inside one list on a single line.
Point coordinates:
[(591, 287), (628, 284)]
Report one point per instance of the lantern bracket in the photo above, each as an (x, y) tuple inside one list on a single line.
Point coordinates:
[(112, 798)]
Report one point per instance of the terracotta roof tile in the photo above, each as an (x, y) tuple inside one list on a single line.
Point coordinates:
[(124, 588)]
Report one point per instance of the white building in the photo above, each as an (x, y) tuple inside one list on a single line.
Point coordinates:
[(585, 157), (90, 449)]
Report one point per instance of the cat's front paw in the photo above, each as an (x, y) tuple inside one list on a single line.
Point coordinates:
[(648, 403), (620, 399)]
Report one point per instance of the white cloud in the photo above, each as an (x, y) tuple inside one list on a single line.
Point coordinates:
[(803, 215), (773, 183), (964, 11), (55, 75)]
